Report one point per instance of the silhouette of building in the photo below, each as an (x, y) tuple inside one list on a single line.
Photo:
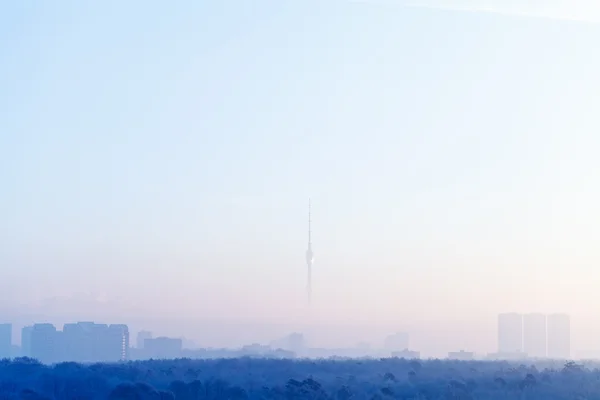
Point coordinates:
[(510, 333), (163, 348), (26, 341), (534, 335), (296, 342), (84, 342), (559, 336), (255, 349), (5, 340), (396, 342), (141, 337), (117, 343), (79, 342), (44, 340), (293, 342), (461, 355), (188, 343)]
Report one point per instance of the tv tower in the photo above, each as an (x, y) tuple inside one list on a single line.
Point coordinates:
[(310, 258)]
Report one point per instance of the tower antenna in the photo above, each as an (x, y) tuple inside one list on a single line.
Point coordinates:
[(309, 222), (309, 257)]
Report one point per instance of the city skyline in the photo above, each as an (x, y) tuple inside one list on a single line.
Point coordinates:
[(425, 335), (535, 335), (519, 336)]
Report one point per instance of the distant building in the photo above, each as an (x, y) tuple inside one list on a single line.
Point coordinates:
[(141, 337), (163, 348), (396, 342), (255, 349), (293, 342), (83, 342), (188, 343), (5, 340), (461, 355), (559, 336), (88, 342), (510, 333), (26, 341), (296, 343), (117, 343), (407, 354), (79, 342), (534, 335), (44, 340)]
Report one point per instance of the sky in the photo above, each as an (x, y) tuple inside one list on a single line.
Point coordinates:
[(573, 10), (160, 158)]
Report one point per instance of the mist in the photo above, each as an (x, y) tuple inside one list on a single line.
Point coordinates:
[(157, 173)]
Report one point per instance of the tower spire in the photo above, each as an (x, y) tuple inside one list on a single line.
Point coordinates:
[(309, 256), (309, 228)]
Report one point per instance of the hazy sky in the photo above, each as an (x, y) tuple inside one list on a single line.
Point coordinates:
[(574, 10), (163, 155)]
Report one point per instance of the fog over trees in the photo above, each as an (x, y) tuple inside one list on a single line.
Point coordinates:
[(253, 378)]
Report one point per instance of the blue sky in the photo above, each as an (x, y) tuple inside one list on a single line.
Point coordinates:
[(568, 10), (448, 154)]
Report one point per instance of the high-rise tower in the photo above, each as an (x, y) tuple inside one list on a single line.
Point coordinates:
[(310, 257)]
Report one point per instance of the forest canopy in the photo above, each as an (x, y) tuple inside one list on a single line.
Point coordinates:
[(252, 378)]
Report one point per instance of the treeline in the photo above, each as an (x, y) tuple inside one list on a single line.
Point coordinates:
[(250, 378)]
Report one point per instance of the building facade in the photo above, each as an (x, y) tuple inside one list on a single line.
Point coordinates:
[(44, 343), (80, 342), (117, 342), (26, 341)]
